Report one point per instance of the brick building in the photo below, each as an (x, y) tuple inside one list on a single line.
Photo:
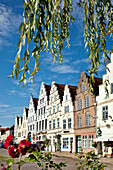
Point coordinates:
[(85, 112)]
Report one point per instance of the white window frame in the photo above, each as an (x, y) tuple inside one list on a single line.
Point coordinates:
[(91, 138), (84, 141), (80, 104), (82, 88), (111, 88), (69, 123), (65, 143), (53, 123), (64, 124), (66, 109), (88, 121), (79, 122), (86, 101), (105, 112), (58, 122)]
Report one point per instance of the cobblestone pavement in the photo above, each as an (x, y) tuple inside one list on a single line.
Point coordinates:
[(70, 160)]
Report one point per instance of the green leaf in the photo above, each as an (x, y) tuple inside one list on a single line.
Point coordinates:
[(10, 162)]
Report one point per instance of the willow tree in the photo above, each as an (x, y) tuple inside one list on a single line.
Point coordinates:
[(46, 24)]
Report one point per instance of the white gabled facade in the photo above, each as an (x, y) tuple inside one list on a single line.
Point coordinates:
[(54, 116), (32, 118), (41, 124), (24, 124), (105, 113), (67, 119)]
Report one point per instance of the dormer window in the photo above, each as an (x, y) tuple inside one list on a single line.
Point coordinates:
[(82, 88)]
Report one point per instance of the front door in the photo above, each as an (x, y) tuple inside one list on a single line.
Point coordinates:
[(78, 143)]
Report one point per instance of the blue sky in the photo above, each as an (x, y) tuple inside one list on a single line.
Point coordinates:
[(12, 97)]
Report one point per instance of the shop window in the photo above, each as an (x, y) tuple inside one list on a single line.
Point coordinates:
[(79, 122), (91, 137), (86, 102), (105, 113), (65, 143), (64, 124), (79, 104), (84, 141), (88, 120)]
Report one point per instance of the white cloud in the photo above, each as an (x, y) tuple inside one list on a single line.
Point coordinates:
[(15, 92), (85, 60), (10, 110), (63, 69), (4, 105)]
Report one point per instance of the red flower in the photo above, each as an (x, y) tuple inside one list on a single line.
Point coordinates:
[(13, 152), (24, 146), (8, 141)]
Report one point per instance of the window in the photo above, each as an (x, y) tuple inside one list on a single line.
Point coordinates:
[(79, 122), (33, 127), (86, 102), (30, 127), (53, 109), (39, 112), (51, 99), (84, 141), (55, 97), (111, 88), (58, 122), (69, 123), (87, 120), (66, 109), (50, 124), (91, 137), (53, 123), (50, 110), (82, 88), (66, 97), (58, 105), (42, 101), (79, 104), (42, 124), (64, 124), (37, 126), (44, 109), (65, 143), (45, 123), (105, 113)]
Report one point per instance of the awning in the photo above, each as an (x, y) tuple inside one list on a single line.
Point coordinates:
[(104, 138)]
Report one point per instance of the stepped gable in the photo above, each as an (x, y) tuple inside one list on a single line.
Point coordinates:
[(73, 91), (11, 128), (60, 88), (48, 87), (35, 100), (98, 81)]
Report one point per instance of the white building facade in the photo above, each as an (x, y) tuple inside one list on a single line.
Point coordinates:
[(105, 114), (41, 124), (32, 118), (54, 116), (67, 120)]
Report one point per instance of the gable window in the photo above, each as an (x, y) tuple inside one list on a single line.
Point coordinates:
[(105, 113), (64, 124), (79, 104), (91, 137), (33, 127), (58, 107), (69, 123), (58, 122), (39, 112), (86, 102), (44, 109), (55, 97), (50, 124), (66, 97), (51, 99), (53, 123), (88, 120), (84, 141), (111, 88), (53, 109), (50, 110), (66, 109), (79, 122), (82, 88)]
